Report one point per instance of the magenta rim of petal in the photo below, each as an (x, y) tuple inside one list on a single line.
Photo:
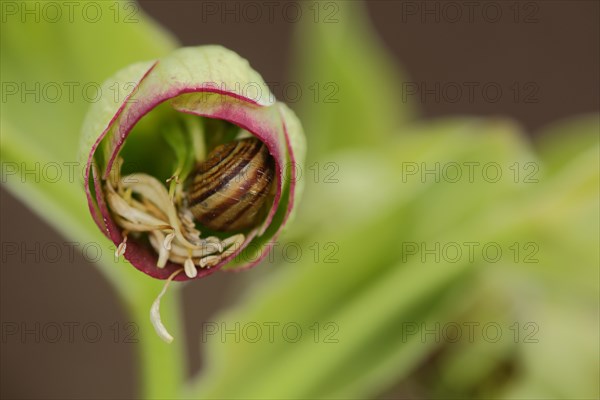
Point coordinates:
[(269, 245), (90, 159), (143, 257)]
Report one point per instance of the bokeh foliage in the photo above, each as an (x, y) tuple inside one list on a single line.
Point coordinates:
[(379, 297)]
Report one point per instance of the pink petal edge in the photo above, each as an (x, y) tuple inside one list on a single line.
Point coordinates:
[(144, 258)]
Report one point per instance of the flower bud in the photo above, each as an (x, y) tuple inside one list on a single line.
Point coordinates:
[(191, 163)]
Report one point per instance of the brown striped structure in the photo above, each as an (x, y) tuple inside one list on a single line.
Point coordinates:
[(230, 187)]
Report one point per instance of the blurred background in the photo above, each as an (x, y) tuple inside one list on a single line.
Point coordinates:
[(544, 57)]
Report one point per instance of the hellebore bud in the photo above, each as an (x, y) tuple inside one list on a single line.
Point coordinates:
[(189, 161)]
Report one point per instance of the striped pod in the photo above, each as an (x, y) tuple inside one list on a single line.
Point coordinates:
[(230, 187)]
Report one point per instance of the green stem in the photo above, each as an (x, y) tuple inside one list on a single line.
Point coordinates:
[(161, 365)]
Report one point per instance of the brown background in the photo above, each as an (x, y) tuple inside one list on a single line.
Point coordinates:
[(556, 49)]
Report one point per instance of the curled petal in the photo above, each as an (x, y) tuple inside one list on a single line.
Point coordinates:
[(210, 82)]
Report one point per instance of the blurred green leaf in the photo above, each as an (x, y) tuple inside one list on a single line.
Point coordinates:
[(563, 362), (51, 73), (564, 212), (361, 318), (552, 281), (377, 286), (64, 63), (561, 141), (354, 95)]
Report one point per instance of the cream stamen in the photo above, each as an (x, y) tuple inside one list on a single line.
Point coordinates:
[(168, 239), (190, 268), (121, 247), (170, 224), (155, 311)]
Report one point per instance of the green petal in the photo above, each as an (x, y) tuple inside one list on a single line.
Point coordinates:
[(209, 81)]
